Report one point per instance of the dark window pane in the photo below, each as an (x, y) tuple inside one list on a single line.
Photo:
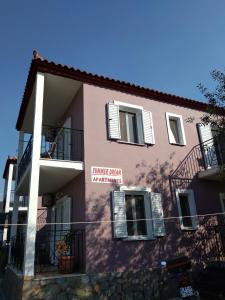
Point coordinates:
[(135, 210), (185, 210), (140, 214), (123, 126), (175, 131), (130, 215), (132, 127), (128, 127)]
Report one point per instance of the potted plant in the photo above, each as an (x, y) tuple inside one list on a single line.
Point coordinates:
[(65, 259)]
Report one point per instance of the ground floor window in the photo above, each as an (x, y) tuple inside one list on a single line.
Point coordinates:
[(137, 214), (187, 208)]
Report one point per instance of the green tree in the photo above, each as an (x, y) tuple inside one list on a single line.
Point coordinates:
[(215, 113)]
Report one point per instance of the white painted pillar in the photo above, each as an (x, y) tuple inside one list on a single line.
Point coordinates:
[(16, 198), (8, 195), (29, 254), (9, 187)]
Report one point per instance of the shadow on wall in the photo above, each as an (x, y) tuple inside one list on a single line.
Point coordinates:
[(107, 254)]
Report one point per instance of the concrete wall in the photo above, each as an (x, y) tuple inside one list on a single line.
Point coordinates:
[(145, 284)]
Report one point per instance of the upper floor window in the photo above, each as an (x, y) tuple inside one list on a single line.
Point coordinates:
[(186, 208), (175, 129), (130, 123), (129, 127)]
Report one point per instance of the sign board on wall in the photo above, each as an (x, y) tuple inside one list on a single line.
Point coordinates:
[(106, 175)]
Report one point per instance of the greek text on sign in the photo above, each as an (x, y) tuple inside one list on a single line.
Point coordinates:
[(106, 175)]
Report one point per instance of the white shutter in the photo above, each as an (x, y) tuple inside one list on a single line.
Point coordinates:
[(209, 152), (149, 137), (157, 214), (119, 214), (113, 121)]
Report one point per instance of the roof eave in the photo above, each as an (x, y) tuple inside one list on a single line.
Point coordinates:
[(39, 65)]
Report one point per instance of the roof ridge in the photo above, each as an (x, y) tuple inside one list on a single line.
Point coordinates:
[(40, 64)]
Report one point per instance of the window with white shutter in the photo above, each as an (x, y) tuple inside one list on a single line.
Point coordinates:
[(137, 214), (175, 129), (113, 121), (149, 137), (187, 209), (130, 123), (119, 214)]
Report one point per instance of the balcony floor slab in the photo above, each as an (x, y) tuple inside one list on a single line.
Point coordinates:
[(214, 173), (54, 174)]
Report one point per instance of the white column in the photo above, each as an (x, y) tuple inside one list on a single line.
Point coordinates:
[(16, 198), (9, 187), (8, 195), (29, 254)]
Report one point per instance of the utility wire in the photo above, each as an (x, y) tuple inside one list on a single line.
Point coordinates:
[(119, 220)]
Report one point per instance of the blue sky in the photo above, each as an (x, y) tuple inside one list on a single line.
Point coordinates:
[(169, 45)]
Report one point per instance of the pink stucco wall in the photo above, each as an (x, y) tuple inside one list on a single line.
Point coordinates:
[(141, 166), (75, 188)]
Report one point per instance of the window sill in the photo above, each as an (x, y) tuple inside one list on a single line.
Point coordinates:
[(188, 229), (129, 143), (139, 238), (176, 144)]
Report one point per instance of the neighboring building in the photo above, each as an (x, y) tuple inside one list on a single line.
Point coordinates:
[(9, 176), (103, 150)]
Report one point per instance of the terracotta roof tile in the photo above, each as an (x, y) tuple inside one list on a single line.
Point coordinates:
[(45, 66)]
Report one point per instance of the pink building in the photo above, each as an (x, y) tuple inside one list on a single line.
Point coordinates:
[(120, 167)]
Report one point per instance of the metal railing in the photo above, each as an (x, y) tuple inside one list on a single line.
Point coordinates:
[(59, 251), (17, 250), (62, 143), (203, 156), (25, 160), (57, 143), (23, 200)]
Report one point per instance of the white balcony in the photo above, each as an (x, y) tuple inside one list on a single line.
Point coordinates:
[(61, 160)]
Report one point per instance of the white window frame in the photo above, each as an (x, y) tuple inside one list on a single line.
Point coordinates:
[(192, 207), (137, 110), (180, 129), (132, 190)]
